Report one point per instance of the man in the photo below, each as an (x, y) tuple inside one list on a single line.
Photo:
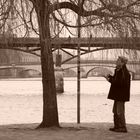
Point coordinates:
[(120, 93)]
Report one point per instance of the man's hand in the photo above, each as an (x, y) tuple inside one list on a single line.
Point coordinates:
[(107, 77)]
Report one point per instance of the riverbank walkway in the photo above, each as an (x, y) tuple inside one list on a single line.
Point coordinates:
[(68, 131)]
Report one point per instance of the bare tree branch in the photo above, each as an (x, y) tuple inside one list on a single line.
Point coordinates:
[(31, 21), (79, 10)]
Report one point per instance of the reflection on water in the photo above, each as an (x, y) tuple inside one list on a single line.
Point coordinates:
[(21, 101)]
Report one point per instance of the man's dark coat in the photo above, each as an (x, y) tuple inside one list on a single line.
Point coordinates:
[(120, 85)]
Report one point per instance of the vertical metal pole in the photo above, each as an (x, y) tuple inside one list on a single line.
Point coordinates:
[(78, 69)]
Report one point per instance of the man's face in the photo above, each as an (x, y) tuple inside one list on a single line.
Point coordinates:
[(119, 62)]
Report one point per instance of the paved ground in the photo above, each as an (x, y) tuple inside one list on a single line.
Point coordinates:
[(92, 131)]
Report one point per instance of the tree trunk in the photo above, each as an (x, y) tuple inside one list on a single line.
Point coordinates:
[(50, 111)]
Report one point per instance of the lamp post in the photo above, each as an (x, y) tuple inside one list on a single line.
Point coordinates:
[(78, 68)]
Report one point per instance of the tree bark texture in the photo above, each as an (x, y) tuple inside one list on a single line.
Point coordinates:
[(50, 110)]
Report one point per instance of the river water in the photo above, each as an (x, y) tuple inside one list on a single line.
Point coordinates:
[(21, 101)]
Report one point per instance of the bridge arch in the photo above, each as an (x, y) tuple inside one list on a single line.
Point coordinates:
[(105, 68), (29, 73), (101, 49), (101, 71), (70, 72)]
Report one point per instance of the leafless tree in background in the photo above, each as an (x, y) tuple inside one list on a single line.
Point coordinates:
[(39, 17)]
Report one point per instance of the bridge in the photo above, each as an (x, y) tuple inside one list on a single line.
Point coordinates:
[(87, 45), (88, 68), (96, 67), (71, 43), (32, 45)]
